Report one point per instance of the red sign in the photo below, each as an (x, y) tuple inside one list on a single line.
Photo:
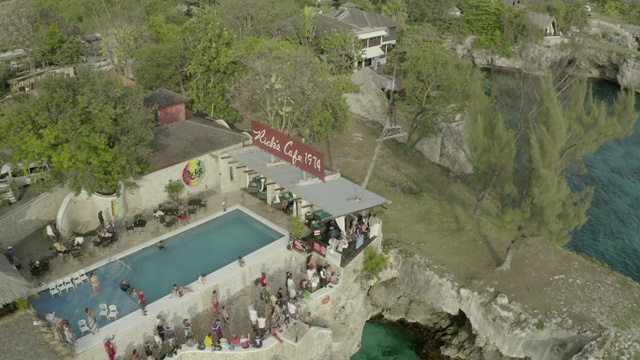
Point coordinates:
[(319, 248), (288, 149)]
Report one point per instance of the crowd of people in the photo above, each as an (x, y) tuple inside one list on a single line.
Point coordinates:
[(267, 315), (61, 329)]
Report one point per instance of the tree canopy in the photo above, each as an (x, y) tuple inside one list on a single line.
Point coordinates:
[(92, 130), (285, 85), (436, 82), (211, 70), (534, 193)]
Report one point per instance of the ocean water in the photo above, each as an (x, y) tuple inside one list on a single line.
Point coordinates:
[(386, 341), (612, 234)]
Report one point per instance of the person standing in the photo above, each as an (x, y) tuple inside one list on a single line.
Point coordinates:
[(262, 324), (225, 315), (291, 286), (108, 347), (208, 341), (214, 301), (50, 233), (160, 330), (101, 219), (142, 302), (11, 253), (184, 214), (264, 293), (60, 249), (91, 317), (323, 277), (170, 336), (217, 328), (95, 283), (69, 335)]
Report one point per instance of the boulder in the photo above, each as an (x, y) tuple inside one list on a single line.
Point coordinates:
[(447, 147)]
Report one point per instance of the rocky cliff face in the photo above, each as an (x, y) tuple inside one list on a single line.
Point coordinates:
[(494, 328), (613, 59), (447, 147)]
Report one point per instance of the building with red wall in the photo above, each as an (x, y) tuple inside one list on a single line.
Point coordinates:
[(168, 104)]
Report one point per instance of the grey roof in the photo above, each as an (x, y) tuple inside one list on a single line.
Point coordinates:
[(337, 195), (163, 97), (184, 140), (353, 19), (542, 20), (14, 286)]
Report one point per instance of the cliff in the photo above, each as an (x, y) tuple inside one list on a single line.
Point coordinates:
[(496, 328), (603, 50)]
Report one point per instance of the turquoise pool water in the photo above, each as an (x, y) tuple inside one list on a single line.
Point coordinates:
[(199, 250)]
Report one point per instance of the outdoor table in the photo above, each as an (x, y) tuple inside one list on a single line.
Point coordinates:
[(195, 202)]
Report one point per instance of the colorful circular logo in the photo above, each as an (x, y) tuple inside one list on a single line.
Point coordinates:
[(193, 172)]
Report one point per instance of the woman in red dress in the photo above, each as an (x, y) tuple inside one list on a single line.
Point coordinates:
[(108, 347)]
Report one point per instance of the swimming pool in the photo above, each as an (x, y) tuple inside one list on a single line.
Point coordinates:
[(201, 249)]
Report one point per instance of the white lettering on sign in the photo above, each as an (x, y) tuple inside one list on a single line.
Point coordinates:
[(271, 143)]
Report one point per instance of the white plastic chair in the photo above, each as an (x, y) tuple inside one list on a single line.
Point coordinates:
[(103, 311), (82, 275), (53, 289), (68, 284), (76, 279), (113, 312), (60, 286), (82, 324)]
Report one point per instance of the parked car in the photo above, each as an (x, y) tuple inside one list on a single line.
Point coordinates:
[(21, 175)]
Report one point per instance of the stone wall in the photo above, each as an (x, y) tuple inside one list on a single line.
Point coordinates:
[(316, 345), (80, 213), (31, 216)]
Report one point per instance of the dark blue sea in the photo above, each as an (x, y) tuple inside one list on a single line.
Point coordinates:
[(612, 234)]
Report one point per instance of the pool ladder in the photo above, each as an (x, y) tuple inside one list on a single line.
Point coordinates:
[(118, 260)]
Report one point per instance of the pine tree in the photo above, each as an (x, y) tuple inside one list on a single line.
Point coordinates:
[(557, 136)]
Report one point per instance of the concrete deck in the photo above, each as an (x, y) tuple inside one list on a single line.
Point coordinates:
[(38, 245)]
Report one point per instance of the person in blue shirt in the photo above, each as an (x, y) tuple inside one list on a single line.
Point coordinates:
[(11, 253)]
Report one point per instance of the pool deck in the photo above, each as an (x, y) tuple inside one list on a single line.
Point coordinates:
[(161, 305), (38, 245)]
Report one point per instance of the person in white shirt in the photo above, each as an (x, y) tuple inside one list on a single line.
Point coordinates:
[(293, 308), (262, 324), (253, 314), (50, 233)]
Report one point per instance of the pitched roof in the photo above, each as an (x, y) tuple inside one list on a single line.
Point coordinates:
[(542, 20), (163, 97), (14, 286), (184, 140), (353, 19)]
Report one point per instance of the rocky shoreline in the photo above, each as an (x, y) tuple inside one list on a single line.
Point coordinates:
[(475, 323), (614, 57)]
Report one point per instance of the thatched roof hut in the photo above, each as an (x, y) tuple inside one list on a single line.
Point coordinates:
[(14, 286)]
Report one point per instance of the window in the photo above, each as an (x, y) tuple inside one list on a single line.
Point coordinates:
[(375, 41)]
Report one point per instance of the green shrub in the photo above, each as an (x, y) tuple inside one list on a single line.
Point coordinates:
[(173, 189), (374, 262), (296, 227)]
